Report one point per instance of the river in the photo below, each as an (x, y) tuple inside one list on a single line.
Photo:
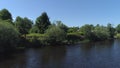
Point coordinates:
[(105, 54)]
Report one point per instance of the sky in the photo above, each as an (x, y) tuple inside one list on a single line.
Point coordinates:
[(70, 12)]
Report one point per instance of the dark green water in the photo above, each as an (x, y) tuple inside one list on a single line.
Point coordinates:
[(104, 54)]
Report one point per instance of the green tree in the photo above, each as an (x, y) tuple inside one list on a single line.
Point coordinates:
[(42, 22), (87, 30), (55, 34), (100, 33), (5, 15), (9, 36), (61, 25), (23, 25), (34, 29), (118, 28), (111, 30)]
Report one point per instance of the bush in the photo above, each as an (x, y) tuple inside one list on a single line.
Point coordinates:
[(74, 38), (9, 36), (55, 35), (100, 33)]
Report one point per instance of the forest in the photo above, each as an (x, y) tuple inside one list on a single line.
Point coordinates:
[(23, 32)]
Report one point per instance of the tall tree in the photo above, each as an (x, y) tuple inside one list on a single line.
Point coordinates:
[(5, 15), (111, 30), (42, 22), (23, 25)]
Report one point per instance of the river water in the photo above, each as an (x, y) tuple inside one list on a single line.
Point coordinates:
[(105, 54)]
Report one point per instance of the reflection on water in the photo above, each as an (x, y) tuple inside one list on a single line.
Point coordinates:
[(105, 54)]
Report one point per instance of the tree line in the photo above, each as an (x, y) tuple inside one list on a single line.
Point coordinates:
[(25, 32)]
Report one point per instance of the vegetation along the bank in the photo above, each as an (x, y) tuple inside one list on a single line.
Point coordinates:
[(23, 32)]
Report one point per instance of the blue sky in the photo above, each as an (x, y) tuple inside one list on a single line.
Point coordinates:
[(70, 12)]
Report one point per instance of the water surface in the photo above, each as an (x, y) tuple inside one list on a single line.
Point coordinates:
[(105, 54)]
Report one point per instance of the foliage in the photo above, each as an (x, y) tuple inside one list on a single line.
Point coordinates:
[(95, 33), (9, 36), (23, 25), (118, 28), (100, 33), (61, 25), (87, 31), (42, 22), (111, 30), (5, 15), (55, 34), (34, 29), (45, 33), (73, 29), (37, 39), (74, 37)]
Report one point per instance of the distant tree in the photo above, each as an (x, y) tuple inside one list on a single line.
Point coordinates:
[(100, 33), (118, 28), (5, 15), (23, 25), (42, 22), (73, 29), (61, 25), (111, 30), (87, 30)]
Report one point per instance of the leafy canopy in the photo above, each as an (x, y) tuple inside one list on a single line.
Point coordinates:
[(23, 25), (5, 15), (42, 22)]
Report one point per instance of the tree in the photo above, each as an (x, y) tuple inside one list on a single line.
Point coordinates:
[(5, 15), (42, 22), (111, 30), (100, 33), (55, 34), (118, 28), (28, 24), (23, 25), (61, 25), (87, 30), (9, 36), (34, 29)]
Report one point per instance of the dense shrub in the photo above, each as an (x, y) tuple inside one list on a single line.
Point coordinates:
[(100, 33), (9, 36), (55, 35), (74, 37)]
